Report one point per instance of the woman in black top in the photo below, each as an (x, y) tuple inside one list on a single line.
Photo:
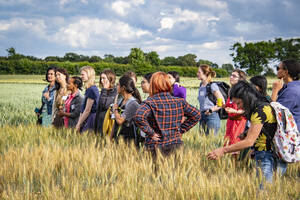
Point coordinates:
[(106, 98)]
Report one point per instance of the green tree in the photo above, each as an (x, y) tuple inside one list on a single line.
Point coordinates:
[(287, 49), (207, 62), (253, 57), (137, 57), (228, 67), (121, 60), (187, 60), (108, 58), (153, 58), (169, 61), (72, 57), (11, 51), (94, 59)]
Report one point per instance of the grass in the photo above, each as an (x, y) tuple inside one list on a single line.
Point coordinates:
[(43, 163)]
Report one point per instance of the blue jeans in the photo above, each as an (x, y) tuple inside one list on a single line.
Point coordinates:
[(210, 122), (267, 163)]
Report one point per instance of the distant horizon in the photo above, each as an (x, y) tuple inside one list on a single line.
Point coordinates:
[(206, 28)]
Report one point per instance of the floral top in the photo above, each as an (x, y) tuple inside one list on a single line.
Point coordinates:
[(264, 115)]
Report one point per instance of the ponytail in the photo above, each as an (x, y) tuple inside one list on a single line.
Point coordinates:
[(136, 94), (208, 71)]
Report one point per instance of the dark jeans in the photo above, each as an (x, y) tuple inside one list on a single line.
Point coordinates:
[(165, 150)]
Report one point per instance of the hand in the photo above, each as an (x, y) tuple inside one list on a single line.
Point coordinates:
[(277, 85), (46, 95), (155, 137), (207, 112), (77, 128), (215, 154), (115, 107)]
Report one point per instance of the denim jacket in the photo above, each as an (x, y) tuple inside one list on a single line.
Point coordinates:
[(48, 102)]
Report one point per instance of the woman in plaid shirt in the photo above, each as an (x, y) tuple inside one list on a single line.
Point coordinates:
[(160, 116)]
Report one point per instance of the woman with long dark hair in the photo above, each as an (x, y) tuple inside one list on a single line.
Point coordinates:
[(45, 111), (106, 98), (261, 131), (160, 117), (60, 97), (128, 105)]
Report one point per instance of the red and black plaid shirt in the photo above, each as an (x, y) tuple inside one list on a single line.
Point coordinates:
[(162, 114)]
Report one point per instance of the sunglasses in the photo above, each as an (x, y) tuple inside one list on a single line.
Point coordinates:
[(278, 68)]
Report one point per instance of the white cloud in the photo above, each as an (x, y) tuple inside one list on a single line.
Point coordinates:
[(30, 25), (253, 28), (91, 31), (214, 4), (166, 23), (202, 19), (123, 7), (63, 2)]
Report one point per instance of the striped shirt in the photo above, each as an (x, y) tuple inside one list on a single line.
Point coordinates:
[(162, 114)]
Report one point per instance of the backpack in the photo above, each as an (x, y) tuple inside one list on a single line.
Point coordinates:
[(224, 89), (286, 140), (129, 130)]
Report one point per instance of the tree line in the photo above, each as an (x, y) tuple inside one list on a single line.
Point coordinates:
[(253, 57)]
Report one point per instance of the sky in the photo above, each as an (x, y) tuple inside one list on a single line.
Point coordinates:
[(206, 28)]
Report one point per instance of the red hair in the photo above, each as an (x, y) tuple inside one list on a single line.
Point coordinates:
[(159, 83)]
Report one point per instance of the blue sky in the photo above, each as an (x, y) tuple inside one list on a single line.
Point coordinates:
[(206, 28)]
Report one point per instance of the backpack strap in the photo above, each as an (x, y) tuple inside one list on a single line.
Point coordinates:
[(209, 93)]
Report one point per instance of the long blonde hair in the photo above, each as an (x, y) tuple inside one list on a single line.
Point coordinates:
[(90, 74)]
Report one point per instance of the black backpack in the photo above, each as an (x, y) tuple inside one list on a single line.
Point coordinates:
[(224, 89)]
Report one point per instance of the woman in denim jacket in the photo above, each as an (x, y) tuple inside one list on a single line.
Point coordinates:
[(47, 98)]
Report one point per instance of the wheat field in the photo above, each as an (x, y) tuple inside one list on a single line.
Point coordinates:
[(43, 163)]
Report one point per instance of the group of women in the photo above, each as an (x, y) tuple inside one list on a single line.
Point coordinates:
[(165, 115), (64, 106)]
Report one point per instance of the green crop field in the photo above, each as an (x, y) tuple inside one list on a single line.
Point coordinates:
[(43, 163)]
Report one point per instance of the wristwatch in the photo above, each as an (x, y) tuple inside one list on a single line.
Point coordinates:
[(210, 110)]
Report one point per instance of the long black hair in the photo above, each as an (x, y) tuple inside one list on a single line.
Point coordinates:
[(250, 96), (127, 83), (261, 82)]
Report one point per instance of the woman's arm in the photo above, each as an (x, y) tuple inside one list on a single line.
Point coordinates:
[(119, 119), (85, 114), (252, 135)]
